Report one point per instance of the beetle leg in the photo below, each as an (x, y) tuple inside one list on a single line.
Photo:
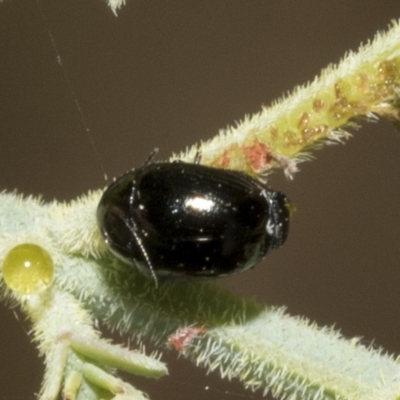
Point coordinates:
[(197, 157), (151, 156)]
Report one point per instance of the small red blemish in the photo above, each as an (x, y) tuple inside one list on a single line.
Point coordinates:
[(183, 337), (258, 155), (224, 159)]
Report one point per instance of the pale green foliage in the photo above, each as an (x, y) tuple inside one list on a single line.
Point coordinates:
[(263, 347), (115, 5), (363, 85)]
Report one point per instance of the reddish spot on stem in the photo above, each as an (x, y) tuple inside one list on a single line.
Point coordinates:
[(222, 161), (183, 337), (258, 155)]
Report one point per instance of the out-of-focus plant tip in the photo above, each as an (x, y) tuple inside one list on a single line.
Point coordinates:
[(74, 281)]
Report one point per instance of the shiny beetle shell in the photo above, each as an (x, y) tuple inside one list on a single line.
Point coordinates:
[(186, 220)]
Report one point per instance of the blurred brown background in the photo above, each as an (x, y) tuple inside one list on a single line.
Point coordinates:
[(168, 74)]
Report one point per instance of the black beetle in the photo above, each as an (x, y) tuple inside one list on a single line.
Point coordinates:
[(173, 219)]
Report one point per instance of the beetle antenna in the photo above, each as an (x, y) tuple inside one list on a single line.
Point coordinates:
[(144, 252), (133, 228), (70, 88)]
